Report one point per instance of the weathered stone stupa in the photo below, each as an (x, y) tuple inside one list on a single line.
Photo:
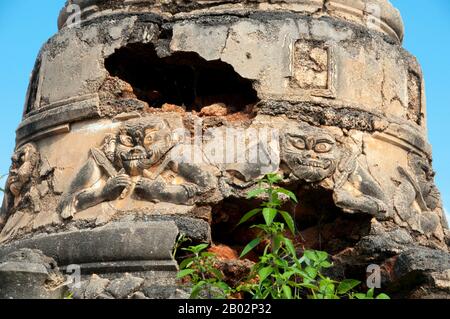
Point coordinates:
[(155, 118)]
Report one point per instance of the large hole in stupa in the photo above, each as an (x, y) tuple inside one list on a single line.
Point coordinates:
[(320, 224), (184, 79)]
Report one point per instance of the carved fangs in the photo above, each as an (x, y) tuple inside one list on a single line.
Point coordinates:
[(135, 158), (312, 163)]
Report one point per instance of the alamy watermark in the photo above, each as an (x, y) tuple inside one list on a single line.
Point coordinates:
[(73, 276), (373, 276), (74, 18)]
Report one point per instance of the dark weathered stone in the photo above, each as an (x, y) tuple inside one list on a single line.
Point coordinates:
[(58, 115), (123, 287), (115, 242), (196, 229), (28, 274), (160, 291), (422, 260), (95, 287), (386, 244)]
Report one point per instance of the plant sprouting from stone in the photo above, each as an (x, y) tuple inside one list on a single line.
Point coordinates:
[(206, 279), (181, 240), (280, 272)]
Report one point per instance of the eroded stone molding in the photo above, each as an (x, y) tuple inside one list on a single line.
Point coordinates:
[(378, 14)]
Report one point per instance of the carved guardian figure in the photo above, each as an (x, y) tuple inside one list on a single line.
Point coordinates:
[(133, 162), (25, 162)]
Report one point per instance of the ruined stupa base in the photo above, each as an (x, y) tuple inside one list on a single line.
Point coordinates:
[(123, 257)]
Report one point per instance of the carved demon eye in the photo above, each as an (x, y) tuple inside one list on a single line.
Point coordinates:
[(22, 159), (297, 142), (323, 147), (149, 139), (126, 140)]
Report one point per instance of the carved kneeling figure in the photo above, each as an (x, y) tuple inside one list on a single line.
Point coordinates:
[(133, 163)]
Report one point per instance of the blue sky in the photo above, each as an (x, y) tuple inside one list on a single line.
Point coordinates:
[(26, 24)]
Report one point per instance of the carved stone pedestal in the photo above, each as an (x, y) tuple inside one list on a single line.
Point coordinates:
[(28, 274), (114, 252)]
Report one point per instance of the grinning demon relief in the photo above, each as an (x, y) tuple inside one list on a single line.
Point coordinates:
[(19, 190), (313, 155), (142, 162)]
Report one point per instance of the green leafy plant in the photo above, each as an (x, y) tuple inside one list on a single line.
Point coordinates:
[(181, 239), (280, 273), (207, 281)]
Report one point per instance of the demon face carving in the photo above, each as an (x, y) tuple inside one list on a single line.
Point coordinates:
[(309, 153), (24, 161), (425, 178), (139, 145)]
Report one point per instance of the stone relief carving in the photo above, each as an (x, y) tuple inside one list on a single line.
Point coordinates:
[(425, 178), (19, 192), (309, 153), (417, 200), (312, 154), (357, 191), (142, 160)]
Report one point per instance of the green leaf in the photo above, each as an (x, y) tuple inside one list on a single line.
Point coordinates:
[(321, 255), (311, 271), (255, 193), (250, 246), (290, 247), (249, 215), (289, 221), (325, 264), (290, 194), (223, 286), (197, 289), (206, 255), (265, 294), (309, 286), (277, 240), (347, 285), (370, 293), (383, 296), (326, 286), (287, 292), (216, 273), (310, 254), (360, 296), (264, 273), (269, 215), (197, 249), (186, 263), (185, 272), (287, 275), (274, 178)]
